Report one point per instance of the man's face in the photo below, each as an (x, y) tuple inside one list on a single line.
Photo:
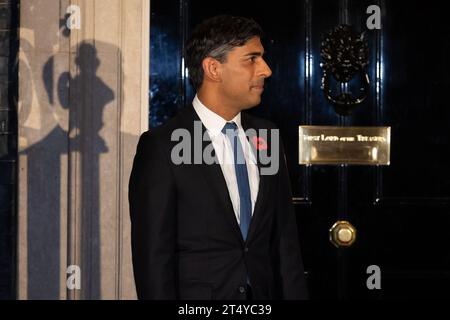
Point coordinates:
[(243, 74)]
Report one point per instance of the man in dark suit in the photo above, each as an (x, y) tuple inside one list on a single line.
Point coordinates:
[(226, 228)]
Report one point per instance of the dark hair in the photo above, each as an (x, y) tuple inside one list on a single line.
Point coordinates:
[(215, 37)]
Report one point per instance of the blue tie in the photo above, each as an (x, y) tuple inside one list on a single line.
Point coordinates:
[(230, 130)]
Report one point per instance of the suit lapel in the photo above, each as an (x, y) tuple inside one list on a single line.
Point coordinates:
[(213, 175), (253, 137), (215, 179)]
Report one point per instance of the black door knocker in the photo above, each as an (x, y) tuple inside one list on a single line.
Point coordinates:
[(345, 56)]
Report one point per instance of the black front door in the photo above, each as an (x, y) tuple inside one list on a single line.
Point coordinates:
[(400, 212)]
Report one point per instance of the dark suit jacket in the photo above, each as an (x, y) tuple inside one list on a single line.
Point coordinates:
[(186, 241)]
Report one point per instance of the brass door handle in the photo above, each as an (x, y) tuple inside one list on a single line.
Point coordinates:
[(342, 234)]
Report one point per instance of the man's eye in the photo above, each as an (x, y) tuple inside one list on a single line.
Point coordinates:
[(253, 59)]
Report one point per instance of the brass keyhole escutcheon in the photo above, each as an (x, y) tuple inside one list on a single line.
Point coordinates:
[(342, 234)]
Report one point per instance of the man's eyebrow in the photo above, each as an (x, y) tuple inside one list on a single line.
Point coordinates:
[(256, 53)]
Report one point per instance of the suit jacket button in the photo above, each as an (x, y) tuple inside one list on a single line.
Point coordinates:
[(246, 249), (241, 289)]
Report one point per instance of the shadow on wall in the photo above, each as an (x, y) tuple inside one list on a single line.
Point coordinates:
[(64, 141)]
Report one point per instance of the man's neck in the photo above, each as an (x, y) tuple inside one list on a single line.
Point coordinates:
[(217, 107)]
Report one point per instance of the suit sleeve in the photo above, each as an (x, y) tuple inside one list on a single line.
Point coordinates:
[(152, 201), (291, 279)]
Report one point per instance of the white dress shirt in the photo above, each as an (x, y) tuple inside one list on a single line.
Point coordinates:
[(224, 153)]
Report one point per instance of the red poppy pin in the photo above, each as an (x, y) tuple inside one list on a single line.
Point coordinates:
[(259, 143)]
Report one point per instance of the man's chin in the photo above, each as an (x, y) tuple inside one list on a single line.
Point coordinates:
[(252, 104)]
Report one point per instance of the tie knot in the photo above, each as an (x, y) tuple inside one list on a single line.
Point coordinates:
[(229, 126)]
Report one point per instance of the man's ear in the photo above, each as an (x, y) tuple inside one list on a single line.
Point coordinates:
[(212, 69)]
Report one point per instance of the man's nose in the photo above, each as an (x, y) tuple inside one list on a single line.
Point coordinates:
[(265, 69)]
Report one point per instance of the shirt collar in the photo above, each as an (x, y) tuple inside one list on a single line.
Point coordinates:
[(211, 120)]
